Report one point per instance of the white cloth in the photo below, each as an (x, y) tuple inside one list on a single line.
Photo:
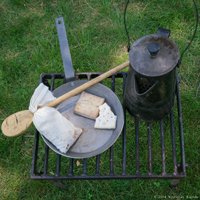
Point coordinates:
[(56, 128), (41, 96), (49, 122)]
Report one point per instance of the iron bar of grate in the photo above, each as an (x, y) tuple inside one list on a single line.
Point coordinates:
[(71, 160), (124, 133), (84, 167), (52, 82), (162, 147), (35, 153), (36, 141), (116, 176), (71, 176), (58, 165), (46, 160), (180, 125), (64, 80), (111, 148), (173, 143), (97, 165), (149, 148), (111, 161), (46, 146), (137, 146)]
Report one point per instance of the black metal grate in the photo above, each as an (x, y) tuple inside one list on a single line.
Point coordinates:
[(36, 174)]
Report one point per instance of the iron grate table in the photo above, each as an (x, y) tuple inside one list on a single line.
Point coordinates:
[(179, 169)]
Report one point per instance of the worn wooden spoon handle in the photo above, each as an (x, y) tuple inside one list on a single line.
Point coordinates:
[(87, 85), (19, 122)]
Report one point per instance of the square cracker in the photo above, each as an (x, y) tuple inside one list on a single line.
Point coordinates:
[(88, 105)]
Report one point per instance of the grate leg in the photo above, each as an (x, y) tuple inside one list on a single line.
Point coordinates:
[(174, 182), (58, 183)]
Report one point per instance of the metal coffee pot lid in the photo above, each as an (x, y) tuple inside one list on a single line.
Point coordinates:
[(154, 55)]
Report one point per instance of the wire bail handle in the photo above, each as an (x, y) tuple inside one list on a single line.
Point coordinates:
[(197, 21)]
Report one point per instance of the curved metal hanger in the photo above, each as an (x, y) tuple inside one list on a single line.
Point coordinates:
[(197, 21)]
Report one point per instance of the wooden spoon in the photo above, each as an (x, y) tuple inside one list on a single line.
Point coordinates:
[(19, 122)]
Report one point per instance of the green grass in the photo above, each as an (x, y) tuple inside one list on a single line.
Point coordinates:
[(97, 39)]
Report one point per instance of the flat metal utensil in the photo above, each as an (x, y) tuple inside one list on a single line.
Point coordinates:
[(92, 141)]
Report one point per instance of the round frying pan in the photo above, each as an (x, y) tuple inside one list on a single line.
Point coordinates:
[(92, 141)]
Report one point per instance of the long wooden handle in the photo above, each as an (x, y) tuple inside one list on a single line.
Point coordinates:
[(87, 85)]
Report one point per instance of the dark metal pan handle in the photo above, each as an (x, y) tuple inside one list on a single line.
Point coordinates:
[(64, 47)]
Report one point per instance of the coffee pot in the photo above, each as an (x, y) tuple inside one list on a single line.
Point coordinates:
[(151, 80)]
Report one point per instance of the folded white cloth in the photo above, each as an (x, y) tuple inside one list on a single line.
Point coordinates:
[(56, 128), (49, 122), (41, 96)]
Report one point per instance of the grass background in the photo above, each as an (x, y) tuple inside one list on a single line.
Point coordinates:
[(97, 40)]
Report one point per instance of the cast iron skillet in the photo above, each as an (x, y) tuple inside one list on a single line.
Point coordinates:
[(92, 141)]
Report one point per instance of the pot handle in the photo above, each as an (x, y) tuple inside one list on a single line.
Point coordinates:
[(64, 47), (197, 22), (145, 92)]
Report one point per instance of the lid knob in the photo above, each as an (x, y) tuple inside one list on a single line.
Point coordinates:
[(153, 49)]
